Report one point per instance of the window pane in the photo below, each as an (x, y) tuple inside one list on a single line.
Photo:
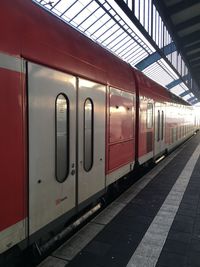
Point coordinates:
[(149, 115), (158, 128), (62, 138), (162, 129), (88, 134)]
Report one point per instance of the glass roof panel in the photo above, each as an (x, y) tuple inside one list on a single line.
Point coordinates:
[(177, 90), (105, 22), (159, 73), (85, 13), (112, 37), (62, 5), (187, 97), (121, 43)]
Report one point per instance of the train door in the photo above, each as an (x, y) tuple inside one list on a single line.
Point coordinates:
[(91, 139), (52, 145), (159, 144)]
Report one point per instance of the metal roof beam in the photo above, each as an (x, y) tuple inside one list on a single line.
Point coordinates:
[(194, 55), (185, 93), (181, 6), (176, 82), (191, 99), (168, 49), (188, 23), (192, 47), (117, 22), (196, 66), (195, 59), (181, 42), (190, 38), (194, 101), (136, 22)]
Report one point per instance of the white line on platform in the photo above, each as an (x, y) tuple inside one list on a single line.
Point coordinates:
[(74, 245), (70, 249), (149, 249)]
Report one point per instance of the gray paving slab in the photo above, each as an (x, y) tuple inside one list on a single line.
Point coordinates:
[(154, 240), (108, 214), (53, 262), (72, 247)]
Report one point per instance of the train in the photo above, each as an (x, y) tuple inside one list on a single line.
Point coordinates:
[(75, 119)]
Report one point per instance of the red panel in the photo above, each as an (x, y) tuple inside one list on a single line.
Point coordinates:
[(121, 118), (34, 34), (150, 89), (45, 39), (121, 136), (12, 171), (120, 154)]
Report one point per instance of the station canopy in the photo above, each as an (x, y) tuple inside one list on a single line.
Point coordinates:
[(135, 32)]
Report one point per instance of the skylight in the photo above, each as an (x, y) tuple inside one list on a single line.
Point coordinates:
[(104, 22)]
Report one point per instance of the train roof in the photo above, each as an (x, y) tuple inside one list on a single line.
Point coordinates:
[(38, 36), (155, 90)]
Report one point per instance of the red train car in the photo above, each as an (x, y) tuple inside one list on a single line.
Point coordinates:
[(74, 118), (164, 120)]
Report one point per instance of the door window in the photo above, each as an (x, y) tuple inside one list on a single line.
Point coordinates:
[(62, 138), (158, 126), (149, 115), (88, 134), (162, 126)]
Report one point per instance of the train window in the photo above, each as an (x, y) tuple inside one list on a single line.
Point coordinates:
[(149, 115), (162, 126), (62, 138), (88, 134), (158, 126)]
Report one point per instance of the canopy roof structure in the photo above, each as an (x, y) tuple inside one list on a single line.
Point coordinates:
[(136, 31), (183, 21)]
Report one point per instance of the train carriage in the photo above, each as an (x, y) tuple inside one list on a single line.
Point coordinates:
[(75, 119), (164, 120)]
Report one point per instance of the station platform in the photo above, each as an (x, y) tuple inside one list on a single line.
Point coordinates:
[(156, 222)]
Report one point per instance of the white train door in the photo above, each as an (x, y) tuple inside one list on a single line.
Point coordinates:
[(91, 139), (52, 145), (159, 144)]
